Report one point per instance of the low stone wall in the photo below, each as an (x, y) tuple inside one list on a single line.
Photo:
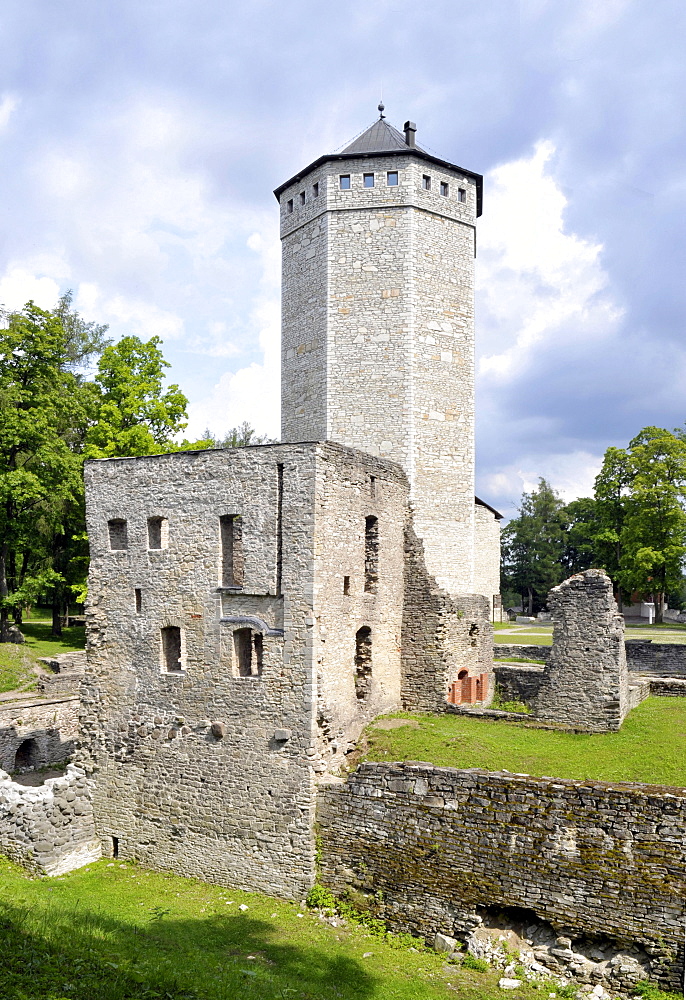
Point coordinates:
[(52, 724), (49, 828), (518, 681), (441, 847), (504, 650), (666, 687), (659, 658)]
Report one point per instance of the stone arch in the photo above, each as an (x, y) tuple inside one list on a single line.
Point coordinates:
[(27, 755)]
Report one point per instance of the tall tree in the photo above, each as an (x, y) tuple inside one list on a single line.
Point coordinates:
[(43, 408), (534, 546), (136, 416)]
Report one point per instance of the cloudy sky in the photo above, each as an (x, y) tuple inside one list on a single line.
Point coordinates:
[(140, 142)]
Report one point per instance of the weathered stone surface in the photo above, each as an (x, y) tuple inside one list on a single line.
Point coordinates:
[(51, 724), (586, 681), (592, 859)]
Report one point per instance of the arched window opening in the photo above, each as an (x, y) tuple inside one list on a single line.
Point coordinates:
[(247, 653), (27, 755), (363, 663)]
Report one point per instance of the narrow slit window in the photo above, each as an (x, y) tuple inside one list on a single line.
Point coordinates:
[(461, 194), (119, 536), (368, 180), (426, 182), (445, 189), (315, 189), (158, 534), (171, 649), (346, 586), (372, 487), (247, 653), (302, 197), (363, 663), (371, 554), (232, 550), (289, 205), (139, 600), (115, 847), (392, 178), (345, 182)]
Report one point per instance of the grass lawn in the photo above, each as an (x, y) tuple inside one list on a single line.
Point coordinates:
[(17, 662), (123, 933), (650, 746)]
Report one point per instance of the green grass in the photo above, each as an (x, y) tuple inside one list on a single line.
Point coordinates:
[(124, 933), (650, 747), (17, 662), (525, 639)]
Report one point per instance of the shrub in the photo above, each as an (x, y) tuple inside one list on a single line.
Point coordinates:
[(476, 964)]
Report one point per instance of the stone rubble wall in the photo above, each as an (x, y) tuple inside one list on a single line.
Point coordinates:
[(442, 635), (440, 846), (504, 650), (49, 828), (52, 722), (586, 679), (661, 658), (518, 681)]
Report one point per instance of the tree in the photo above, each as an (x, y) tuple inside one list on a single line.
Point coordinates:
[(44, 409), (581, 526), (534, 546), (237, 437), (135, 416), (653, 534)]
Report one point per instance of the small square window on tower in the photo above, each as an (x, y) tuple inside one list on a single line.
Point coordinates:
[(426, 182), (289, 205), (392, 178), (315, 189), (461, 194), (445, 190), (302, 197), (345, 182), (368, 180)]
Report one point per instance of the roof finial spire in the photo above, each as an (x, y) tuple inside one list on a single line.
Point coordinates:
[(381, 109)]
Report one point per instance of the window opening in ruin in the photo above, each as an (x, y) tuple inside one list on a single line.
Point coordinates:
[(232, 550), (345, 182), (171, 649), (289, 205), (247, 648), (445, 190), (346, 586), (139, 600), (461, 194), (115, 847), (426, 182), (368, 180), (119, 536), (27, 755), (363, 662), (158, 532), (302, 197), (371, 554), (392, 178), (279, 528), (372, 487), (315, 189)]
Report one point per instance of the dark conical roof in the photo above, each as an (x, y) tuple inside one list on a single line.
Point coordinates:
[(378, 138)]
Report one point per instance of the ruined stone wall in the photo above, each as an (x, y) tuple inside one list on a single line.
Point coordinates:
[(394, 345), (440, 847), (660, 658), (518, 682), (504, 650), (49, 828), (202, 770), (353, 593), (52, 724), (486, 553), (586, 679), (442, 636)]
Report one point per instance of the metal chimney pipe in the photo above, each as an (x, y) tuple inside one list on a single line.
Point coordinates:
[(409, 128)]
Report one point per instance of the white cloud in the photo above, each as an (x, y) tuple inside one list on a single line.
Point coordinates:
[(19, 284), (8, 105), (534, 280)]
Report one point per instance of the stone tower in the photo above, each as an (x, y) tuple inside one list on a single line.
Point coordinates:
[(378, 324)]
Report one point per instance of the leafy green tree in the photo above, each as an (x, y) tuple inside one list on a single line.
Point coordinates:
[(44, 409), (581, 526), (136, 416), (534, 546), (238, 437), (653, 534)]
